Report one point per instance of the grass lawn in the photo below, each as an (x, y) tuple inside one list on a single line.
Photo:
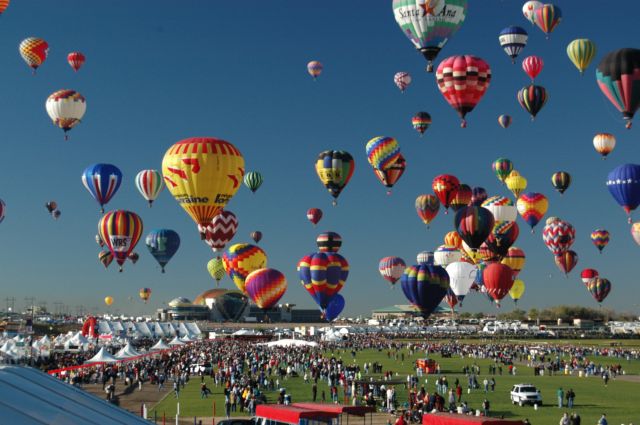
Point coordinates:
[(620, 400)]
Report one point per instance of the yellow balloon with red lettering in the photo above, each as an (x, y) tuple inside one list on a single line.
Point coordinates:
[(203, 174)]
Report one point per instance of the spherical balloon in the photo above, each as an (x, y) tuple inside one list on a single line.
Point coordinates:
[(335, 168), (149, 183), (120, 230), (221, 230), (315, 68), (391, 268), (547, 17), (474, 224), (163, 244), (532, 66), (604, 143), (532, 207), (253, 180), (323, 275), (427, 207), (532, 99), (504, 121), (581, 52), (512, 40), (329, 242), (76, 60), (445, 187), (215, 267), (498, 280), (265, 287), (600, 238), (402, 80), (314, 215), (240, 260), (618, 75), (623, 183), (515, 259), (561, 181)]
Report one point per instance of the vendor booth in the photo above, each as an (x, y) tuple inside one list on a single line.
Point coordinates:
[(453, 419), (278, 414), (348, 414)]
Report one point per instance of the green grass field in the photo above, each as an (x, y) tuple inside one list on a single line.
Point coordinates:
[(620, 400)]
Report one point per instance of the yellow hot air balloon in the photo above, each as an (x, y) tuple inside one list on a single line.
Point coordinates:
[(516, 183), (215, 267), (203, 174), (453, 239), (517, 290), (581, 52), (240, 260), (108, 300)]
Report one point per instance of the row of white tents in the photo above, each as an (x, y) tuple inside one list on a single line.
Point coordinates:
[(148, 329)]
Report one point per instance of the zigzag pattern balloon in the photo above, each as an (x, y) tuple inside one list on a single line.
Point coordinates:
[(221, 230)]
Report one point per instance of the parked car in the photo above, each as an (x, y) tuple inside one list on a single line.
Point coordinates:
[(522, 394)]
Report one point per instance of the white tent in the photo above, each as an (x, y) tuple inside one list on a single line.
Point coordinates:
[(176, 341), (290, 343), (30, 397), (186, 339), (160, 345), (8, 346), (103, 356), (126, 352)]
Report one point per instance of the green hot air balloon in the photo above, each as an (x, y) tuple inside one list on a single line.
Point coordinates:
[(253, 180)]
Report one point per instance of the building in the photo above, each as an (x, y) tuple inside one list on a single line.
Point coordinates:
[(224, 304), (182, 309), (284, 313), (399, 311)]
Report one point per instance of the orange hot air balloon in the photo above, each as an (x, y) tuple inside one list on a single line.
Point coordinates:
[(34, 51), (3, 5), (203, 174), (453, 239), (145, 294)]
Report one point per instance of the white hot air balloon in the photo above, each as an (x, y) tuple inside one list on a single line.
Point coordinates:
[(502, 208), (461, 277), (66, 108), (445, 255)]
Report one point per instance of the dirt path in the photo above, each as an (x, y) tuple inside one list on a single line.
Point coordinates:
[(129, 398)]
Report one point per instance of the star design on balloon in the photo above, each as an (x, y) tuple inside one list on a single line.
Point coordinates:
[(428, 7)]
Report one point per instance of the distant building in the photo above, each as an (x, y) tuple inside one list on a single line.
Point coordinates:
[(401, 311)]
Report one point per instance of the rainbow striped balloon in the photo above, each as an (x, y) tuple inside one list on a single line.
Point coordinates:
[(382, 152), (120, 230), (240, 260), (532, 207), (265, 287), (600, 238)]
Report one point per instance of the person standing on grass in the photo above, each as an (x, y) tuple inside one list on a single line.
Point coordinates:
[(485, 407), (570, 397), (314, 391), (564, 420), (485, 383), (603, 420), (176, 389), (560, 394), (492, 383), (574, 419), (459, 392)]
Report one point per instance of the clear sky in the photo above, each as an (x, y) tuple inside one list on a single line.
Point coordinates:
[(161, 71)]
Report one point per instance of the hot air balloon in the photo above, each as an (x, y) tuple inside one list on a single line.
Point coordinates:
[(478, 196), (452, 238), (588, 275), (504, 121), (66, 109), (163, 244), (323, 275), (256, 236), (133, 257), (149, 184), (463, 80), (427, 284), (108, 300), (515, 259), (479, 255), (421, 122), (334, 308), (215, 267), (461, 277), (498, 280), (604, 143), (314, 68), (425, 257), (558, 236), (566, 261), (600, 238), (547, 18), (532, 207), (34, 51), (265, 287), (532, 66), (618, 74), (145, 294), (391, 268), (517, 290), (76, 60), (102, 181), (474, 224), (599, 288), (51, 206), (221, 230), (561, 181), (581, 52), (392, 174), (445, 187), (501, 207), (240, 260), (427, 207), (314, 215), (329, 242), (203, 174), (516, 183), (512, 40), (502, 236), (532, 98), (56, 214), (623, 183), (429, 23), (528, 10), (402, 80), (451, 299), (120, 230), (335, 168), (382, 152), (105, 257), (3, 5), (635, 231), (502, 167), (445, 255), (253, 180), (462, 198)]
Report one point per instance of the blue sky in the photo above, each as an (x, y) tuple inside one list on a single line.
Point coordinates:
[(160, 72)]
